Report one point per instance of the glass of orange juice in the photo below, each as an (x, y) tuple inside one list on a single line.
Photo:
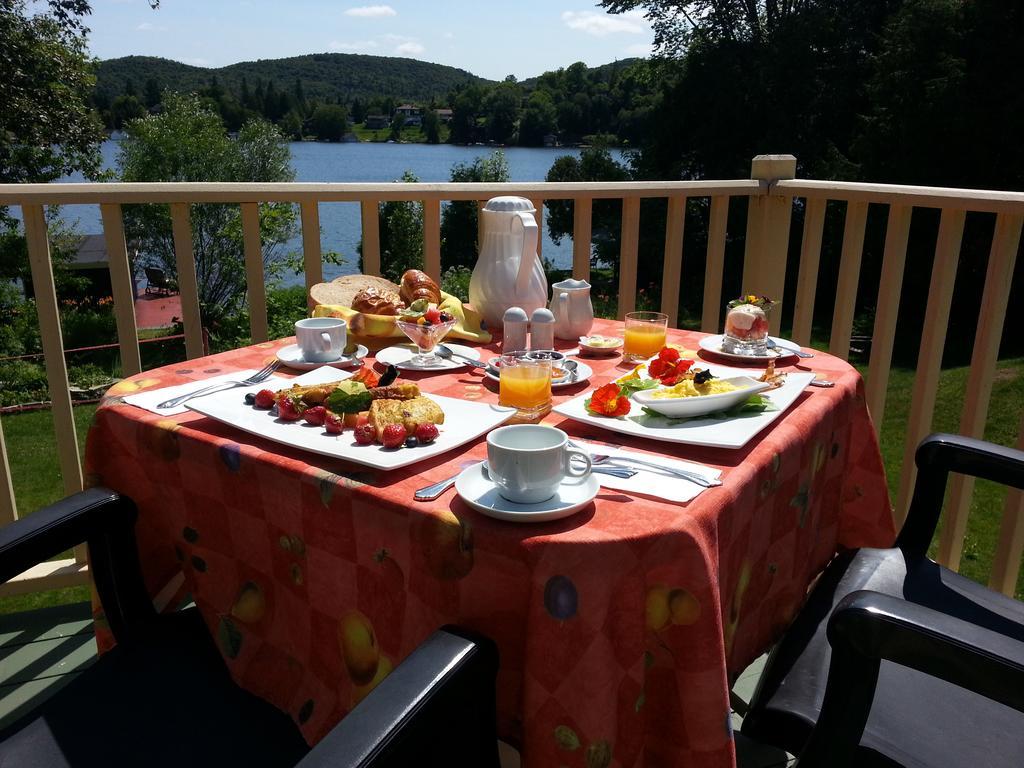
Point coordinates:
[(645, 335), (524, 383)]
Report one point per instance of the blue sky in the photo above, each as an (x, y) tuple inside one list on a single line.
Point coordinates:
[(490, 39)]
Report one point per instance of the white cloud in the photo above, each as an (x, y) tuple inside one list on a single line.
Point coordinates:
[(357, 45), (411, 48), (150, 27), (602, 24), (371, 11)]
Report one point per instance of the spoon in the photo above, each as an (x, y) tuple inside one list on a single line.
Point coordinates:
[(446, 352), (571, 366), (770, 343)]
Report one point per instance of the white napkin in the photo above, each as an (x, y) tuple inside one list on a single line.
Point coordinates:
[(649, 481), (149, 399)]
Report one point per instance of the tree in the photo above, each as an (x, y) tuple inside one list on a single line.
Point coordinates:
[(187, 142), (431, 126), (501, 108), (459, 218), (125, 109), (329, 122), (397, 123), (466, 105), (401, 235), (152, 96), (47, 127), (539, 119)]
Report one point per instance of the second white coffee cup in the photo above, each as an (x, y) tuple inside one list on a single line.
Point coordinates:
[(527, 462), (321, 339)]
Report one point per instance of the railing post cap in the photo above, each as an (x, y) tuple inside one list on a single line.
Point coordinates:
[(773, 167)]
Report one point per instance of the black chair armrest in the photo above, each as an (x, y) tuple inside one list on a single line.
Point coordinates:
[(106, 521), (436, 708), (936, 457), (866, 627)]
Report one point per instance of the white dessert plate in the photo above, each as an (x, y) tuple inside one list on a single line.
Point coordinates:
[(783, 348), (475, 488), (464, 421), (601, 350), (401, 356), (688, 407), (711, 431), (583, 372), (292, 357)]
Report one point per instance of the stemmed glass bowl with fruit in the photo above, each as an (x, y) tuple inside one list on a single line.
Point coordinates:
[(426, 326)]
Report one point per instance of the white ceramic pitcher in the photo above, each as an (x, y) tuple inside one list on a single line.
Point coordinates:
[(508, 272), (572, 308)]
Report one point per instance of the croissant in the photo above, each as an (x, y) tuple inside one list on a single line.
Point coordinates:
[(377, 302), (417, 284)]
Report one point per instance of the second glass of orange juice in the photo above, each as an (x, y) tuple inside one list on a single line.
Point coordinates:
[(524, 383), (645, 335)]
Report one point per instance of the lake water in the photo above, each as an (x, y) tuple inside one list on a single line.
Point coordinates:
[(365, 162)]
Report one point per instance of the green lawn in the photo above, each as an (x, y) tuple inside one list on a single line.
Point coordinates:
[(32, 454)]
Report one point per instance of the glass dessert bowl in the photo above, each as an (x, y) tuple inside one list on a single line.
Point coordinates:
[(746, 326), (425, 327)]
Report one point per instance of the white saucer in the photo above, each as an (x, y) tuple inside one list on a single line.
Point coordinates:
[(583, 372), (614, 349), (477, 490), (401, 356), (784, 348), (292, 357)]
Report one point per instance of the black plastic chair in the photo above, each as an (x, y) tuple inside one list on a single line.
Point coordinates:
[(158, 282), (163, 696), (897, 661)]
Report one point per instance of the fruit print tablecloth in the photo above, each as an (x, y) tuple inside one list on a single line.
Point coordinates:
[(619, 628)]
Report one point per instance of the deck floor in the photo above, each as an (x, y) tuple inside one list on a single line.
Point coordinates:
[(42, 650)]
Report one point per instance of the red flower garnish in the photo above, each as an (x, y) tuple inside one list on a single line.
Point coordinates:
[(608, 400), (669, 366)]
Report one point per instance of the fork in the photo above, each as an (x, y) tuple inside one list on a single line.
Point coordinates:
[(260, 376), (694, 477)]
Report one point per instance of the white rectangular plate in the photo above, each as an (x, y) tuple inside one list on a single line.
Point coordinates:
[(733, 432), (463, 421)]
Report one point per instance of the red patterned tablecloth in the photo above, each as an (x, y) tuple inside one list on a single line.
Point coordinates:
[(619, 628)]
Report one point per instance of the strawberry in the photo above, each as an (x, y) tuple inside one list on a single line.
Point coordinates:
[(333, 423), (265, 399), (394, 435), (426, 432), (433, 315), (287, 410), (315, 415), (365, 434)]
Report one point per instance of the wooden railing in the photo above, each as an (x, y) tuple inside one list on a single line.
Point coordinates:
[(771, 192)]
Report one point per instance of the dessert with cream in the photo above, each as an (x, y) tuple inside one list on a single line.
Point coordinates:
[(746, 325)]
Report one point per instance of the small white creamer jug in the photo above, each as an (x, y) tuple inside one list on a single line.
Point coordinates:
[(572, 308), (508, 272)]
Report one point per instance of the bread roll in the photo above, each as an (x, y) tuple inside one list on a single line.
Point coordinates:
[(417, 284), (342, 290), (373, 301)]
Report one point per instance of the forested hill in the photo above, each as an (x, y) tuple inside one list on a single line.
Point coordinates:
[(324, 76)]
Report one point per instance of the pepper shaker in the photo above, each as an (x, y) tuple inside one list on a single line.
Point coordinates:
[(542, 329), (515, 323)]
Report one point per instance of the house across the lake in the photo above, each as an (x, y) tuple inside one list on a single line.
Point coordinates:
[(412, 114), (376, 122)]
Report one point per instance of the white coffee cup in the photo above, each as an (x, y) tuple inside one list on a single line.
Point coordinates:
[(527, 462), (321, 339)]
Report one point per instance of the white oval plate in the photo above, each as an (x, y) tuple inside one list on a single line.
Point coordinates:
[(784, 348), (583, 372), (685, 407), (292, 357), (476, 489), (401, 356), (601, 350)]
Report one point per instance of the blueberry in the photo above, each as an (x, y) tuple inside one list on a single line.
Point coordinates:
[(250, 398), (411, 442)]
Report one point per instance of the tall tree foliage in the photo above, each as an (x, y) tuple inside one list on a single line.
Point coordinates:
[(459, 218), (47, 128), (187, 142)]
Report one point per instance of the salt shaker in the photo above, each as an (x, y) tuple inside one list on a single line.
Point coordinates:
[(542, 329), (513, 337)]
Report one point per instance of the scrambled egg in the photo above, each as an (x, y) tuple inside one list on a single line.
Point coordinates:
[(686, 388)]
